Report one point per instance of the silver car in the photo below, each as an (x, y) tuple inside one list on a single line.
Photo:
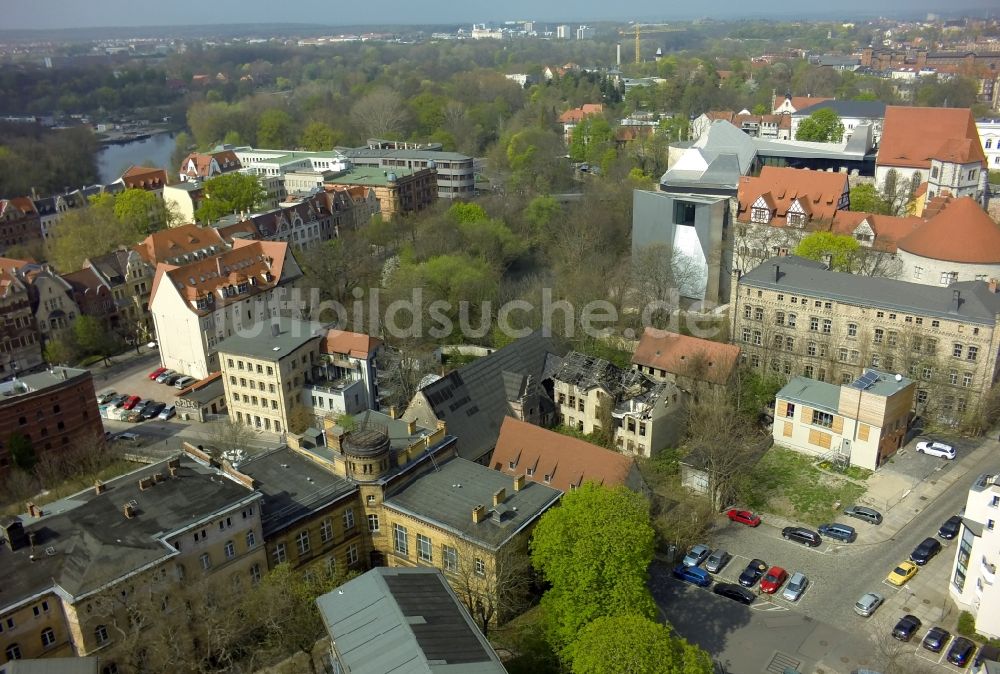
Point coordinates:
[(717, 560), (868, 603), (796, 586), (696, 555)]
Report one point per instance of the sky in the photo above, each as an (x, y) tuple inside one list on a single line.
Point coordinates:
[(49, 14)]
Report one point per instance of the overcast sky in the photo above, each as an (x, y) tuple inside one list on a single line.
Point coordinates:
[(44, 14)]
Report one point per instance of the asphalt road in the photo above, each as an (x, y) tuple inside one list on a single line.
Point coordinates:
[(821, 626)]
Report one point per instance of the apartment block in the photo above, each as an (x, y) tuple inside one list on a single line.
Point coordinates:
[(793, 317), (20, 345), (973, 581)]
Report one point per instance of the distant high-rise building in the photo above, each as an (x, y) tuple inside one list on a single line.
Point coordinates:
[(529, 26), (584, 33), (562, 32)]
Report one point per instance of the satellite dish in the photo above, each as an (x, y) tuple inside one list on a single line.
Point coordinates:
[(899, 377)]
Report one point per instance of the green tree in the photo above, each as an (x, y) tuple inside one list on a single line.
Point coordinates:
[(839, 249), (822, 126), (230, 193), (275, 129), (462, 212), (22, 452), (318, 137), (140, 210), (594, 550), (59, 351), (866, 198), (630, 644), (93, 338), (590, 139), (88, 232)]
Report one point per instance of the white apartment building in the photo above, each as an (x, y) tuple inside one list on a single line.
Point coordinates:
[(197, 305), (973, 582), (989, 136)]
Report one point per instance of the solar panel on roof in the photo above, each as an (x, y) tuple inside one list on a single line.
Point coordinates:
[(866, 381)]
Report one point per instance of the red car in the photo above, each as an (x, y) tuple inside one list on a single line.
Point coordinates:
[(156, 373), (131, 402), (743, 517), (774, 579)]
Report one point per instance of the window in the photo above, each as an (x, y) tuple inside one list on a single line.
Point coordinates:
[(878, 336), (352, 554), (48, 637), (206, 561), (811, 348), (424, 548), (809, 370), (972, 353), (747, 310), (842, 355), (255, 573), (746, 335), (789, 343), (349, 519), (251, 539), (400, 543), (325, 530), (823, 419), (791, 320), (758, 314), (990, 524), (230, 549), (827, 326), (101, 634), (927, 373), (921, 396), (779, 318), (790, 410), (762, 215), (450, 556), (876, 359), (814, 323), (279, 553), (956, 350), (930, 346), (967, 379), (684, 213), (757, 340), (852, 329), (948, 277), (373, 523), (481, 565), (302, 542)]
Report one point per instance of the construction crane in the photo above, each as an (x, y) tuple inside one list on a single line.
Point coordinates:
[(647, 29)]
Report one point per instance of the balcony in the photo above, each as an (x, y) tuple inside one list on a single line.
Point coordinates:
[(989, 572)]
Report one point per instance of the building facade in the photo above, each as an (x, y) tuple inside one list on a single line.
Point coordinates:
[(20, 343), (793, 317), (973, 581)]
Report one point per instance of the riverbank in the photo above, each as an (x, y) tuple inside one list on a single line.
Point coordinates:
[(131, 136)]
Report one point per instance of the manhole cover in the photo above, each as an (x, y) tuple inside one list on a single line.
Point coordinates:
[(780, 662)]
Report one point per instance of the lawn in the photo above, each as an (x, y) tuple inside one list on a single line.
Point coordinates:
[(787, 483)]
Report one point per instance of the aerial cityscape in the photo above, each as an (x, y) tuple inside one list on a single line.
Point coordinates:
[(499, 338)]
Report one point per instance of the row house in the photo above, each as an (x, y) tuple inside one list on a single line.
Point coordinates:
[(788, 104), (201, 166), (792, 317), (197, 304), (20, 344), (302, 222), (52, 301), (774, 127), (692, 363), (351, 206), (20, 224), (52, 208)]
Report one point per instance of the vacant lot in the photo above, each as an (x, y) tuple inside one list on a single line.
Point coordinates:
[(786, 483)]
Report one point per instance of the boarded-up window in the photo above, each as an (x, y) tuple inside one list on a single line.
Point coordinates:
[(788, 429), (819, 438), (838, 425), (863, 431), (782, 408)]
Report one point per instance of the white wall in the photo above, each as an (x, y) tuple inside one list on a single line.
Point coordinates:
[(932, 269)]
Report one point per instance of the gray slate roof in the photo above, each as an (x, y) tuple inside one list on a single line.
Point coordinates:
[(472, 400), (259, 341), (94, 543), (405, 621), (447, 496), (815, 393), (293, 486), (977, 305), (862, 109)]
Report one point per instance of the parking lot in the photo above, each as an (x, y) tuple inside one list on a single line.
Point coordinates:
[(138, 383)]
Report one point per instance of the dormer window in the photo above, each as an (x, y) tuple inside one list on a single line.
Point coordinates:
[(796, 219), (761, 215)]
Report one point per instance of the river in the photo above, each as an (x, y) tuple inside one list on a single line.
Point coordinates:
[(112, 160)]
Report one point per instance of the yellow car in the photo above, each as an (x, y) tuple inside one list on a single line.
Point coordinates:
[(902, 573)]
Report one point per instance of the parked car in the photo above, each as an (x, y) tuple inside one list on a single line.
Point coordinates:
[(755, 569), (935, 448), (837, 531), (774, 579), (797, 584), (717, 560), (935, 639), (923, 552), (171, 379), (153, 410), (128, 436), (696, 555), (168, 412), (119, 400), (184, 382), (743, 517), (162, 378), (105, 397), (950, 528), (865, 513), (693, 575), (960, 653), (734, 592), (868, 603), (801, 535), (902, 573), (156, 373), (906, 627), (130, 402)]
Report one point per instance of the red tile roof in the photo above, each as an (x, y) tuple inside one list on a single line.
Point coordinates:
[(800, 102), (888, 229), (576, 115), (818, 193), (176, 241), (961, 232), (226, 159), (567, 461), (680, 354), (911, 137), (144, 178), (23, 204), (354, 344)]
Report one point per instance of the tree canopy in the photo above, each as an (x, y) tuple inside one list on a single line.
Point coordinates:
[(822, 126), (230, 193), (839, 250), (867, 198), (88, 232), (630, 644), (594, 549)]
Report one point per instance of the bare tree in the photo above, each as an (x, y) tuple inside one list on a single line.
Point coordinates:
[(380, 114), (227, 436), (498, 593), (661, 273)]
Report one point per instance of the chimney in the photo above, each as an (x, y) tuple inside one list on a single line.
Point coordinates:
[(336, 439), (392, 412), (957, 297), (519, 482), (777, 273), (172, 470), (100, 487), (499, 496), (411, 427), (478, 514), (129, 510), (174, 463), (993, 285), (145, 483), (275, 329), (442, 426), (157, 478)]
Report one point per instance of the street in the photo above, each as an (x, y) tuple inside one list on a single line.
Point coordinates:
[(821, 632)]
